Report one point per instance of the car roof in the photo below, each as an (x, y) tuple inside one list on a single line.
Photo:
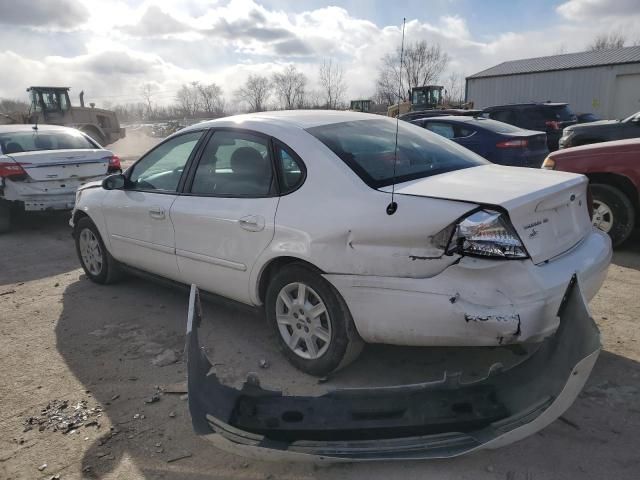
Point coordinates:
[(27, 127), (452, 118), (529, 104), (291, 118)]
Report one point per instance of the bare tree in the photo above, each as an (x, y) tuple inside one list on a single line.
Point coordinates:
[(607, 42), (422, 64), (255, 92), (188, 99), (211, 100), (147, 91), (332, 82), (289, 87), (454, 89)]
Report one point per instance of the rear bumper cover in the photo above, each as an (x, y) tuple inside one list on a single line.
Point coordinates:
[(432, 420), (46, 194)]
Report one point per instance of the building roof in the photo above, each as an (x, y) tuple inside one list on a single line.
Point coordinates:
[(566, 61)]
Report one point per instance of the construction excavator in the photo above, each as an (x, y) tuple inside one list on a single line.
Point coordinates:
[(51, 105)]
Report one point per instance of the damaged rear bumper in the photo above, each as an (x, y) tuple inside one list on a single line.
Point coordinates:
[(439, 419)]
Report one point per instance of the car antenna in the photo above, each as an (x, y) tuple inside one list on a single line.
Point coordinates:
[(393, 206)]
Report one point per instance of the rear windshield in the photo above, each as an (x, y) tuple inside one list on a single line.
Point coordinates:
[(18, 142), (368, 147), (495, 126), (561, 112)]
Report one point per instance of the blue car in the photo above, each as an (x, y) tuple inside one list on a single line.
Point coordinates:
[(496, 141)]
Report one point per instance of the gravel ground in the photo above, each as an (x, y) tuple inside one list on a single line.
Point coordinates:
[(73, 351)]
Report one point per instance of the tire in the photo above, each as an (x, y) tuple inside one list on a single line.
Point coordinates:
[(5, 216), (342, 344), (613, 212), (98, 264)]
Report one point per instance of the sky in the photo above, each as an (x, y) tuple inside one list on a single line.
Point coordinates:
[(110, 49)]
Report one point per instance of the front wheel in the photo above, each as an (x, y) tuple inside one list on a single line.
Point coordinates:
[(96, 261), (613, 212), (313, 325)]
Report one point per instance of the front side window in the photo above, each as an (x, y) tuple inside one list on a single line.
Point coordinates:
[(32, 141), (368, 148), (162, 168), (234, 164)]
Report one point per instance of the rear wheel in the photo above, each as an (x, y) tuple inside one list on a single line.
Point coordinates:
[(96, 261), (313, 325), (613, 212)]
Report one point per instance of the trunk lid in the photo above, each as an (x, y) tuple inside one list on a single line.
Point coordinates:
[(549, 212), (44, 165)]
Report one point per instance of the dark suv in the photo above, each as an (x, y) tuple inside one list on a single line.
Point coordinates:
[(545, 117), (602, 131)]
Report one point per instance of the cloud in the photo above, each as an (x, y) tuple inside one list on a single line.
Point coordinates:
[(62, 14), (171, 42), (155, 22), (576, 10)]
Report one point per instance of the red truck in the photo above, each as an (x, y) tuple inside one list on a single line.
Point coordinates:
[(613, 169)]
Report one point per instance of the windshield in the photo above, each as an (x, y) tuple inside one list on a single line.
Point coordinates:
[(635, 116), (17, 142), (368, 148)]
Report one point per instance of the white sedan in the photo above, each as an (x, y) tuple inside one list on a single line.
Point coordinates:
[(292, 212), (42, 166)]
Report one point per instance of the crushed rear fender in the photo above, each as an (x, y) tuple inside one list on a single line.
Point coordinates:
[(440, 419)]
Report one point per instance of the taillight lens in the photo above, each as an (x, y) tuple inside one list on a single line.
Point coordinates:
[(513, 143), (114, 163), (487, 233), (11, 169), (549, 163), (553, 124)]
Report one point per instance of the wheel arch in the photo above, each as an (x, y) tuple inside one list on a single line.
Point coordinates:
[(620, 182), (272, 266)]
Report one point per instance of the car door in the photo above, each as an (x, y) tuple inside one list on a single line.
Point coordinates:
[(137, 217), (225, 217)]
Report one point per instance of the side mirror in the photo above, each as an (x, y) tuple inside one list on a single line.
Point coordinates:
[(114, 182)]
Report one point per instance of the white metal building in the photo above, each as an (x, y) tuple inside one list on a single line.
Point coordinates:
[(605, 82)]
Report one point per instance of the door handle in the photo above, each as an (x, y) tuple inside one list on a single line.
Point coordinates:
[(157, 213), (252, 223)]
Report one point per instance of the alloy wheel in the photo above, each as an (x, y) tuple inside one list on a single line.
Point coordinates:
[(90, 251), (602, 216), (303, 320)]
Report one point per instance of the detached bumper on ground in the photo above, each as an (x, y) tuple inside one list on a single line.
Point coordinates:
[(439, 419)]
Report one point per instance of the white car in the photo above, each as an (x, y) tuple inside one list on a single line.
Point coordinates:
[(292, 211), (42, 166)]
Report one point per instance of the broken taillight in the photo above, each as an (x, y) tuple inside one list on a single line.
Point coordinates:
[(487, 233), (11, 169)]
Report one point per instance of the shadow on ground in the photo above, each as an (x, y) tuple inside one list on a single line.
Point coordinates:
[(628, 254), (109, 335), (33, 264)]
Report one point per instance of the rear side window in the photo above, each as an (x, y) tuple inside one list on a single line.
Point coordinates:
[(292, 170), (33, 141), (506, 116), (368, 148), (443, 129)]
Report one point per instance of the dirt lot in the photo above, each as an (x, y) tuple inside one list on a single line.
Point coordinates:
[(63, 338)]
